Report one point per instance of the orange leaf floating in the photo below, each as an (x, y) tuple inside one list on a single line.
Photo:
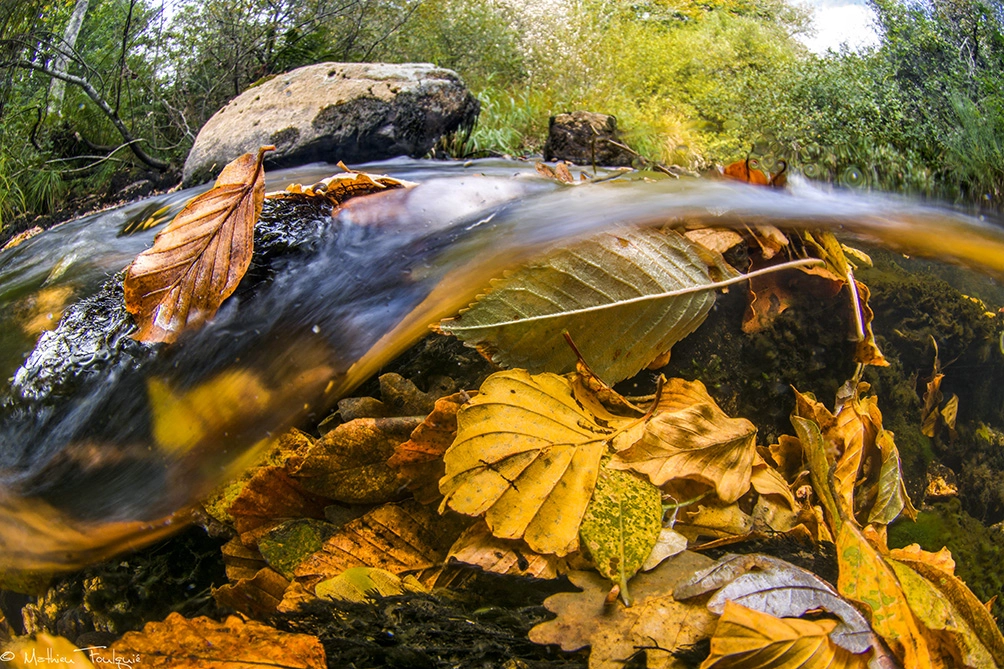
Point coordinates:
[(197, 261)]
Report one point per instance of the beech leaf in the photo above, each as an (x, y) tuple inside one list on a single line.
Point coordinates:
[(621, 525), (778, 588), (197, 261), (748, 639), (690, 437), (527, 456), (477, 546), (585, 290)]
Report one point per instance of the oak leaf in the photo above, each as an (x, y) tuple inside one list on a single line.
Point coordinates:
[(748, 639), (526, 456), (197, 261), (203, 643), (656, 622), (624, 300), (690, 437)]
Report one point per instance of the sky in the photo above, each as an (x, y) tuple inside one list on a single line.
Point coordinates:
[(839, 22)]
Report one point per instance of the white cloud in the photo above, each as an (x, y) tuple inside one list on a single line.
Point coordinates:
[(839, 24)]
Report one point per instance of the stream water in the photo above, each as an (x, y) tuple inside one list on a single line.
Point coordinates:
[(88, 475)]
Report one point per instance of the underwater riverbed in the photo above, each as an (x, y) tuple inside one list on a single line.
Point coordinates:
[(342, 311)]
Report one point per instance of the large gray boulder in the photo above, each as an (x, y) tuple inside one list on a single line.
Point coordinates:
[(354, 112)]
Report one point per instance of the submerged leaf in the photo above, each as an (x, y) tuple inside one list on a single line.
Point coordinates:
[(778, 588), (477, 546), (621, 525), (748, 639), (690, 437), (202, 642), (527, 455), (197, 261), (656, 622), (585, 290)]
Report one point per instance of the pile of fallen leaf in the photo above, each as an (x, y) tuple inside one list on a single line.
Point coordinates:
[(545, 471)]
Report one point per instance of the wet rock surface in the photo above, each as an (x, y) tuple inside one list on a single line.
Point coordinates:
[(354, 112)]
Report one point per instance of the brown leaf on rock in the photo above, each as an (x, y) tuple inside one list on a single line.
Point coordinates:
[(349, 463), (341, 187), (748, 639), (203, 643), (690, 437), (270, 498), (477, 546), (419, 461), (197, 261), (395, 537), (255, 597), (656, 622), (740, 171)]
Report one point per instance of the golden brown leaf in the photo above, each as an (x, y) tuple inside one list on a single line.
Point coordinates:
[(768, 481), (349, 463), (943, 602), (942, 560), (719, 240), (477, 546), (748, 639), (864, 575), (270, 498), (656, 622), (690, 437), (240, 561), (419, 461), (202, 643), (342, 187), (867, 351), (740, 171), (394, 537), (197, 261), (526, 456), (255, 597)]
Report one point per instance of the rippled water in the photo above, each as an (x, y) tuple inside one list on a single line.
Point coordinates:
[(82, 477)]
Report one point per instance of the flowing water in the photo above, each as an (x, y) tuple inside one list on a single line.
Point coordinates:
[(105, 467)]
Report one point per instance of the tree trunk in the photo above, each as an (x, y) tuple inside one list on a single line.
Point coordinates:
[(57, 87)]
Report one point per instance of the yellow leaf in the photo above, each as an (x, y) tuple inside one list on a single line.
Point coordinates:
[(943, 602), (690, 437), (197, 261), (864, 576), (183, 419), (526, 456), (360, 584), (748, 639)]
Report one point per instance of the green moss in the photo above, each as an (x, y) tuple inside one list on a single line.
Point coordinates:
[(978, 550), (286, 546)]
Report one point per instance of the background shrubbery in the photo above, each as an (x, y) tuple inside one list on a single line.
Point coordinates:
[(692, 82)]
